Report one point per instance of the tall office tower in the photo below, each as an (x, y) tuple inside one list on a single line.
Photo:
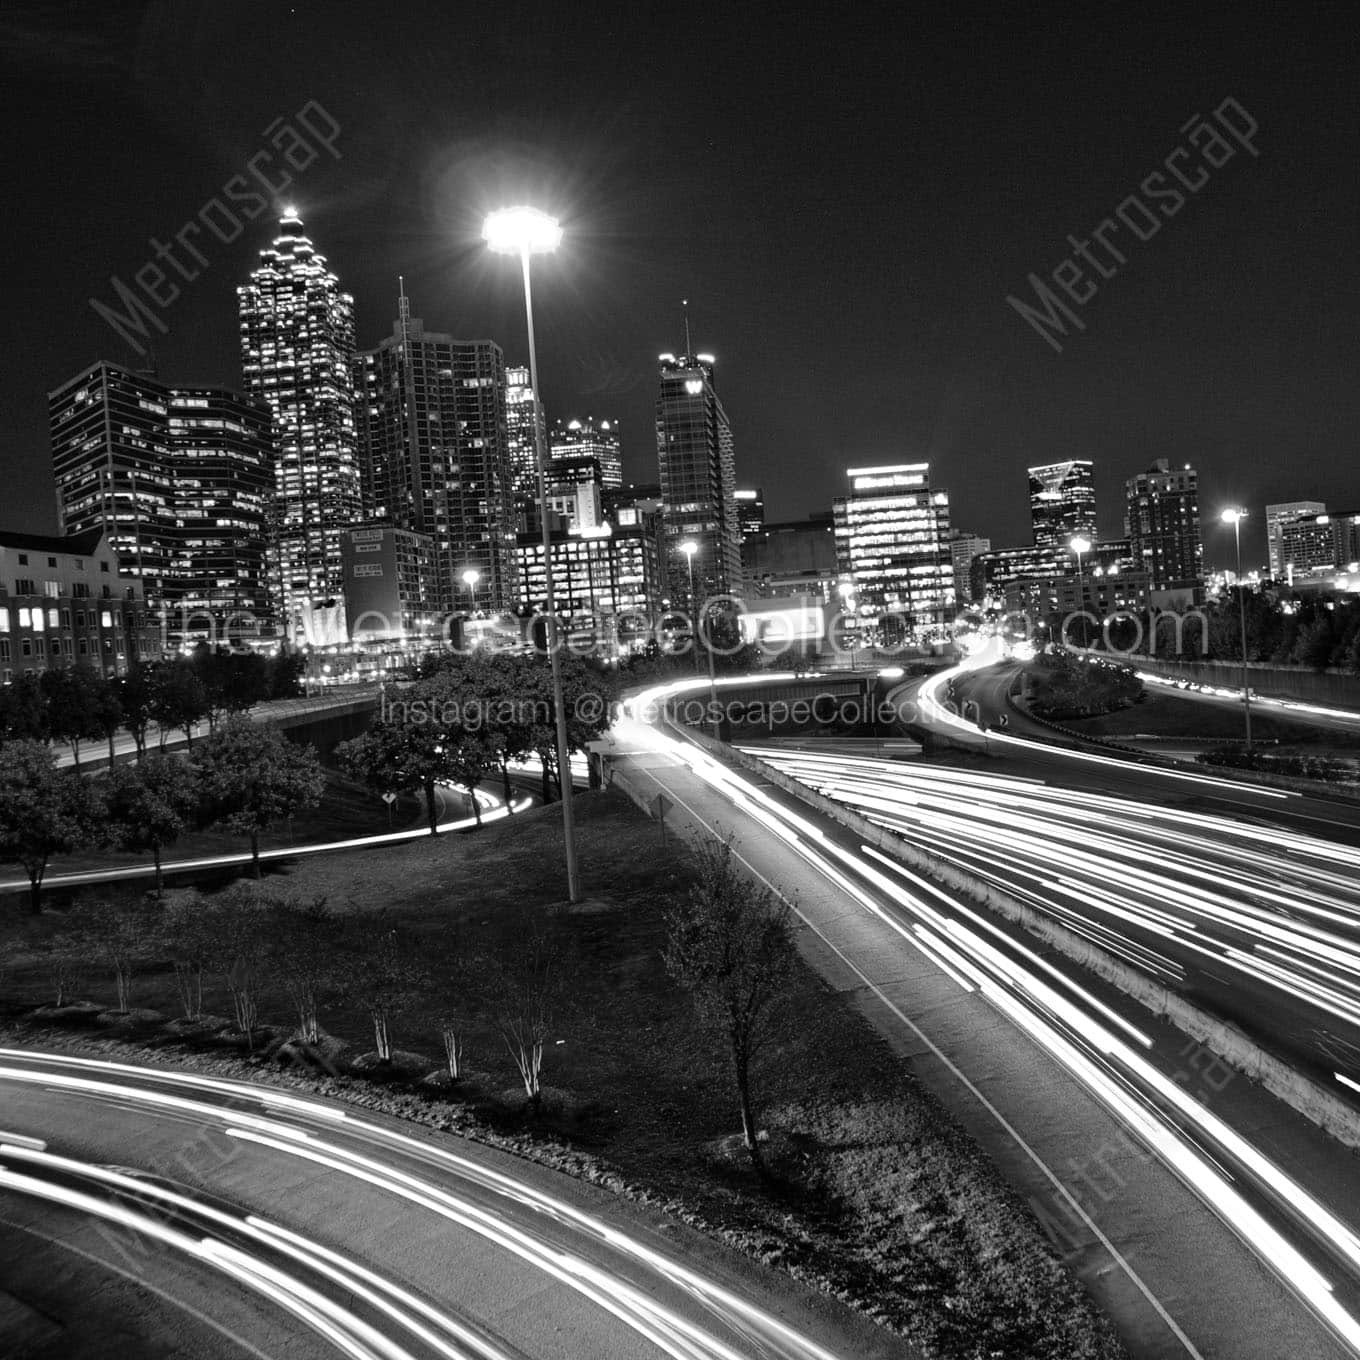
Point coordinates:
[(698, 478), (222, 452), (581, 439), (1062, 502), (297, 344), (1161, 519), (434, 453), (750, 514), (111, 461), (962, 549), (1277, 516), (892, 540), (522, 411)]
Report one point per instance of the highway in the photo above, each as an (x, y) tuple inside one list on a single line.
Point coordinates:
[(1174, 893), (318, 1230)]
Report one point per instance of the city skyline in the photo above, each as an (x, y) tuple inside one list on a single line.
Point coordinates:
[(832, 355)]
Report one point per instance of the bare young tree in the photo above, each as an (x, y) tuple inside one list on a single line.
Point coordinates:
[(188, 936), (524, 995), (383, 973), (303, 957), (115, 929), (730, 945), (240, 952)]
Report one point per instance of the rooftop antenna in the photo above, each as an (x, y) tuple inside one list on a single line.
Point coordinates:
[(403, 305), (684, 303)]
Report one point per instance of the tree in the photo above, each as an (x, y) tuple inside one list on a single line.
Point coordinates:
[(115, 930), (135, 696), (108, 712), (23, 711), (74, 696), (178, 699), (302, 956), (730, 945), (43, 811), (252, 777), (472, 758), (238, 945), (523, 997), (189, 935), (151, 804), (383, 973), (401, 756)]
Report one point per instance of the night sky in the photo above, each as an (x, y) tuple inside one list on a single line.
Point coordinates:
[(846, 195)]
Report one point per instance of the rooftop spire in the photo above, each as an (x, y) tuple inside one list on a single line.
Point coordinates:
[(684, 303)]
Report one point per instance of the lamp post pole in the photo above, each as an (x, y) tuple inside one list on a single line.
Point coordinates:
[(520, 231), (1235, 518)]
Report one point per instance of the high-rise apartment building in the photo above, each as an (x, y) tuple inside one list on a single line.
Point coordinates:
[(1311, 543), (524, 414), (962, 549), (591, 439), (181, 480), (297, 346), (1062, 502), (434, 453), (698, 477), (1277, 516), (1161, 519), (110, 437), (795, 558), (892, 540), (222, 453)]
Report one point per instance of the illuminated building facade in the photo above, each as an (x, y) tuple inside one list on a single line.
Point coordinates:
[(297, 346), (750, 514), (892, 540), (64, 602), (1161, 519), (110, 435), (1319, 542), (589, 439), (1277, 516), (524, 413), (698, 478), (435, 454), (389, 578), (963, 548), (1062, 502), (222, 452)]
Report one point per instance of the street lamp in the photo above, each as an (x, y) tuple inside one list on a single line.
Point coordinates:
[(1235, 517), (1080, 544), (525, 232), (689, 547), (846, 590), (470, 578)]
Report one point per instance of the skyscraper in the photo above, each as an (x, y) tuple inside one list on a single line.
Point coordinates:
[(182, 481), (892, 540), (1161, 519), (297, 345), (962, 549), (750, 514), (434, 454), (222, 453), (698, 477), (110, 435), (580, 439), (1062, 502), (1277, 516), (523, 411)]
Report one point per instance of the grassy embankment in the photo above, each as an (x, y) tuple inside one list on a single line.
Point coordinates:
[(876, 1196)]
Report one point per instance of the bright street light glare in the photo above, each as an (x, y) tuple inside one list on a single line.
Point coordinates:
[(471, 576), (1233, 516), (689, 547), (1080, 544), (515, 231)]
